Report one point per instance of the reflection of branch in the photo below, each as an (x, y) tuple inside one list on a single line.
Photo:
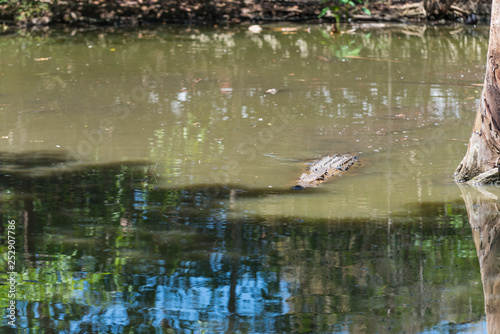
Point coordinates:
[(415, 31), (151, 173), (486, 193), (457, 31)]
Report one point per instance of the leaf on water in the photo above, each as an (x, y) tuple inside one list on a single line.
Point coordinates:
[(272, 91), (43, 59)]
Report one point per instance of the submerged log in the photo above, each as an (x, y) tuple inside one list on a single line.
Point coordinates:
[(325, 169)]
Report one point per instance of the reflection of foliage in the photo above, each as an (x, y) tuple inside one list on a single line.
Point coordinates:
[(345, 46), (358, 272), (345, 50), (194, 128), (111, 244), (336, 8)]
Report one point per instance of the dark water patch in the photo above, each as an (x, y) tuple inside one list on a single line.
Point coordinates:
[(50, 164), (21, 161), (294, 277), (452, 212), (107, 246)]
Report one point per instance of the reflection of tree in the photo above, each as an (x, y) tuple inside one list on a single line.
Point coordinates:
[(347, 273), (236, 239), (484, 218), (180, 113), (111, 255)]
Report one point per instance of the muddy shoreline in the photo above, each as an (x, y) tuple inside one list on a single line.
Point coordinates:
[(228, 12)]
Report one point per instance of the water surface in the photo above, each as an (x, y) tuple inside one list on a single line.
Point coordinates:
[(150, 173)]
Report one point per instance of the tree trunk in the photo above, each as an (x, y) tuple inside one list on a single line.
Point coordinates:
[(481, 162)]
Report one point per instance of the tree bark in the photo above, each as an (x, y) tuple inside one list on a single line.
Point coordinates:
[(481, 162)]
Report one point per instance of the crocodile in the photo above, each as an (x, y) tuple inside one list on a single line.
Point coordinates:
[(325, 169)]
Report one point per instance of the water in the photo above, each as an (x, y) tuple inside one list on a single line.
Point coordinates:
[(149, 174)]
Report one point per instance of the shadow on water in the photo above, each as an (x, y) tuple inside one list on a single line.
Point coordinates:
[(102, 249)]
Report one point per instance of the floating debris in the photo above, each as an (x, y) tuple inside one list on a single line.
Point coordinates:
[(255, 28), (272, 91)]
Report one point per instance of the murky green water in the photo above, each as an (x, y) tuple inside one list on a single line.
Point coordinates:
[(149, 174)]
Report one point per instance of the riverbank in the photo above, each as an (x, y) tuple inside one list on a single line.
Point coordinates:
[(140, 12)]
